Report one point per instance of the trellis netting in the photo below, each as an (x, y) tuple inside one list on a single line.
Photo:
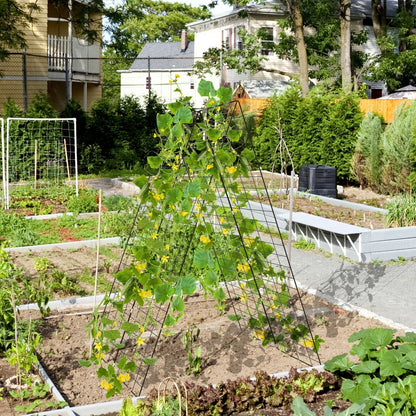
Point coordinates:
[(40, 152), (204, 218)]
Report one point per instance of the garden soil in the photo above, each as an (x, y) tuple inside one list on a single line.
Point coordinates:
[(228, 351)]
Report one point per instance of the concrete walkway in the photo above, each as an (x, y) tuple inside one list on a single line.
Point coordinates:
[(386, 291)]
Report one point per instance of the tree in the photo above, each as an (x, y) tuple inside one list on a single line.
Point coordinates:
[(14, 19), (136, 22), (396, 64), (345, 56), (294, 8)]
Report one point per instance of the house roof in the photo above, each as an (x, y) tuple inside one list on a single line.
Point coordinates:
[(265, 88), (165, 56), (408, 92), (359, 8)]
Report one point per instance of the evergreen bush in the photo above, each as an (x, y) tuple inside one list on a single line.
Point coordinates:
[(366, 162), (398, 159), (318, 129)]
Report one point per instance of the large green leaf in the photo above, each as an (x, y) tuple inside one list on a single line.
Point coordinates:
[(186, 285), (338, 363), (154, 161), (214, 134), (177, 131), (206, 88), (234, 135), (202, 258), (192, 189), (373, 338), (178, 305), (225, 94), (130, 327), (183, 115), (367, 367), (357, 392), (112, 334), (174, 107), (164, 121), (391, 363), (140, 181), (173, 195), (163, 293)]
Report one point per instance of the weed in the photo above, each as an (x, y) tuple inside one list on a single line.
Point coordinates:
[(321, 320), (193, 355), (304, 244)]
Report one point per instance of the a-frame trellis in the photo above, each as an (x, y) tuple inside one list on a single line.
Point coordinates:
[(243, 260)]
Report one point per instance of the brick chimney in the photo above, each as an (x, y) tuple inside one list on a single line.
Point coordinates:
[(184, 40)]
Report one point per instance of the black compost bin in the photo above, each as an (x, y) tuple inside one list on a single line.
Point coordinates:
[(318, 180)]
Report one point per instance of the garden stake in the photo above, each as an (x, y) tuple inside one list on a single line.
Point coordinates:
[(15, 336), (97, 260), (36, 161)]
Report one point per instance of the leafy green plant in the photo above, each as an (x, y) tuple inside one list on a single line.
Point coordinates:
[(401, 211), (193, 354), (301, 409), (304, 244), (243, 394), (85, 202), (385, 373), (318, 129), (197, 159)]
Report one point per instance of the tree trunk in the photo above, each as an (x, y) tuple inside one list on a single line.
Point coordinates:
[(345, 21), (296, 16), (378, 14)]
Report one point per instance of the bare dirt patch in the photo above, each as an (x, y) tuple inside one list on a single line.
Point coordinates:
[(228, 351), (314, 205)]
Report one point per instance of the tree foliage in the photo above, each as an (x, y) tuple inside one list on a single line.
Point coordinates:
[(14, 20), (396, 64), (318, 129), (136, 22)]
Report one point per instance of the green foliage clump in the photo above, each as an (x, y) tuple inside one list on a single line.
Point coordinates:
[(401, 211), (367, 157), (119, 135), (384, 378), (385, 159), (243, 394), (318, 129)]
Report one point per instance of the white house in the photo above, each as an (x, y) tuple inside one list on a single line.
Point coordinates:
[(163, 67), (160, 62)]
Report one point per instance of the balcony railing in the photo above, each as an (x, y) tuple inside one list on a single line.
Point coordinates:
[(85, 56)]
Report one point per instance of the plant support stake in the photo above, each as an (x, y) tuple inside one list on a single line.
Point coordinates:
[(97, 259)]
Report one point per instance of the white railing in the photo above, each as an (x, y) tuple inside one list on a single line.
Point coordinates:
[(58, 50), (85, 56)]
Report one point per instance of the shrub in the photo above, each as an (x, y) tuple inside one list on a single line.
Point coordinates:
[(318, 129), (366, 162), (397, 144)]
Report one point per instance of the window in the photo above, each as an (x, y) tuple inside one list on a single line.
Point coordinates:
[(238, 41), (226, 38), (266, 36)]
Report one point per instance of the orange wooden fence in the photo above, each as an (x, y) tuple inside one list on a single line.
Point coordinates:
[(385, 108)]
